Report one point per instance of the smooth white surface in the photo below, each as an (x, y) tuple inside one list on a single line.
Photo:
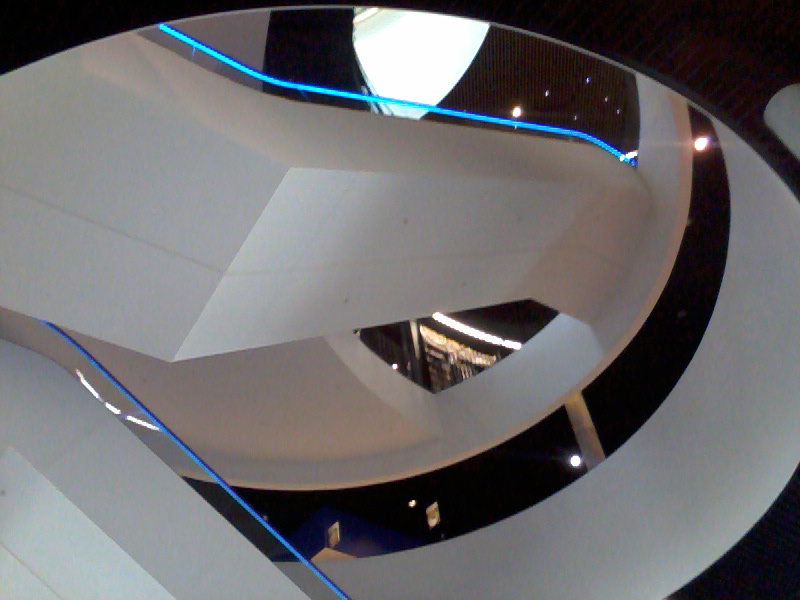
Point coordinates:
[(88, 458), (18, 581), (53, 539), (690, 482), (346, 220), (265, 220), (783, 117), (415, 56)]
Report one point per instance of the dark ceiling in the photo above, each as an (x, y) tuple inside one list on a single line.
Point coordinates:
[(729, 57)]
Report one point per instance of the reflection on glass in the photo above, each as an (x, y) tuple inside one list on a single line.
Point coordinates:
[(441, 351)]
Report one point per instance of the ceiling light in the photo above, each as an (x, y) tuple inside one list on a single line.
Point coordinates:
[(476, 333), (412, 503), (365, 14), (394, 366), (605, 99), (87, 385), (588, 79), (547, 92), (575, 460), (516, 112), (701, 143), (141, 423)]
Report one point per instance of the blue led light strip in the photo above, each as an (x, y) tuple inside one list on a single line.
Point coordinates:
[(458, 114), (190, 453)]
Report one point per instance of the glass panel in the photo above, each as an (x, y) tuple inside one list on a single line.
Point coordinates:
[(440, 351), (423, 66)]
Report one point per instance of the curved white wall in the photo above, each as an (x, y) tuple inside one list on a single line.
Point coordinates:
[(783, 117), (689, 483)]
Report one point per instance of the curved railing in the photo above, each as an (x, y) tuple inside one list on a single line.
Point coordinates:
[(188, 46)]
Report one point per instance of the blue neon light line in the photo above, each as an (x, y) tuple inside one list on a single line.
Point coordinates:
[(190, 453), (303, 87)]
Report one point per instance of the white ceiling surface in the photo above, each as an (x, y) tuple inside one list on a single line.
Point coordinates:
[(137, 176), (327, 412)]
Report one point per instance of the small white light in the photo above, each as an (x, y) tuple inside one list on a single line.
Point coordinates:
[(141, 423), (605, 99), (364, 15), (588, 79), (412, 503), (575, 118), (516, 112), (476, 333), (87, 385), (701, 143), (575, 460), (630, 155), (113, 408), (547, 92), (394, 366), (619, 111)]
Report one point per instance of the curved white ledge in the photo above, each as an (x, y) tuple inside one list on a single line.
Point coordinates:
[(782, 115), (690, 482)]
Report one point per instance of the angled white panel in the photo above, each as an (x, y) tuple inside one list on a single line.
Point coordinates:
[(60, 545), (19, 583), (136, 164), (338, 250), (84, 276)]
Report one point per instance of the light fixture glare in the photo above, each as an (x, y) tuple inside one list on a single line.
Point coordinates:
[(476, 333), (701, 143)]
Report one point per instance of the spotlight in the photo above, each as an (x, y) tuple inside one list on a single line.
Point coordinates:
[(412, 503), (516, 112), (701, 143), (575, 460)]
